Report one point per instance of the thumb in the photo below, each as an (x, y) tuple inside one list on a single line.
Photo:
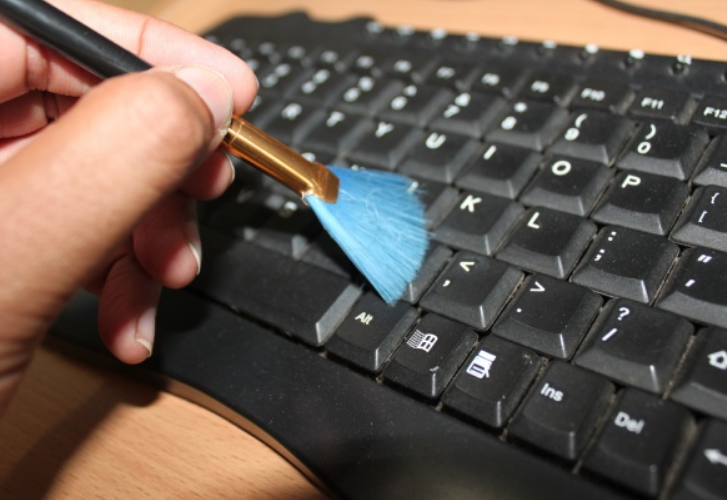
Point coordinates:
[(78, 189)]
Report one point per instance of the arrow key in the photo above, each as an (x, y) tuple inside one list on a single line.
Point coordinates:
[(705, 476)]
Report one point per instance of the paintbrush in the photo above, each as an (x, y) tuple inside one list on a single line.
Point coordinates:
[(375, 217)]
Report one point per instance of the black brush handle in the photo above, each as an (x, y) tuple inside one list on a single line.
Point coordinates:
[(76, 41)]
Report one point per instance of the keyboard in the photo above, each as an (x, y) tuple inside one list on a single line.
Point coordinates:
[(566, 336)]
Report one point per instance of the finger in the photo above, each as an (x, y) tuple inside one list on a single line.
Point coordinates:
[(160, 43), (77, 190), (31, 112), (127, 311), (167, 244), (211, 179)]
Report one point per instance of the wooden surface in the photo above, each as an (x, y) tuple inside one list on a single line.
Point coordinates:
[(75, 431)]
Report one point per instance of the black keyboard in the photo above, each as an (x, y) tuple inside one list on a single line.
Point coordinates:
[(567, 334)]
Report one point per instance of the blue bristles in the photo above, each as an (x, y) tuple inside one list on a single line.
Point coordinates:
[(378, 221)]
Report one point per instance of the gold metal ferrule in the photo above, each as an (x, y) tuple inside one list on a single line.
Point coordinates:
[(275, 159)]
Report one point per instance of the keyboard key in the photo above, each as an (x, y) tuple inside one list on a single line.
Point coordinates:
[(439, 156), (429, 357), (326, 253), (701, 385), (639, 441), (696, 287), (499, 169), (492, 381), (264, 108), (434, 261), (479, 222), (303, 300), (282, 78), (712, 168), (568, 185), (437, 199), (367, 95), (608, 95), (371, 332), (662, 103), (548, 242), (712, 113), (416, 104), (626, 263), (549, 315), (289, 230), (594, 135), (529, 124), (704, 476), (469, 113), (457, 76), (561, 410), (322, 86), (663, 148), (472, 290), (408, 65), (642, 201), (293, 121), (551, 87), (636, 345), (336, 132), (704, 222), (499, 78), (386, 145)]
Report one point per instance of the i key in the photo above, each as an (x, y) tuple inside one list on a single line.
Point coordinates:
[(549, 315), (429, 357), (637, 444), (626, 263), (636, 345), (561, 410), (472, 289)]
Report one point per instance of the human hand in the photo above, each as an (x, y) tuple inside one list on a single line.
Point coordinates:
[(97, 179)]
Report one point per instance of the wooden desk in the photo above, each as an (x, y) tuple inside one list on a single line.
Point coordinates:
[(78, 432)]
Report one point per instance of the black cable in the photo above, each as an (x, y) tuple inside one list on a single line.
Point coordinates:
[(691, 22)]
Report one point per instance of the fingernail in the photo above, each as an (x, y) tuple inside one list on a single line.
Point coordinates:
[(213, 89), (191, 232), (144, 334), (232, 170)]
